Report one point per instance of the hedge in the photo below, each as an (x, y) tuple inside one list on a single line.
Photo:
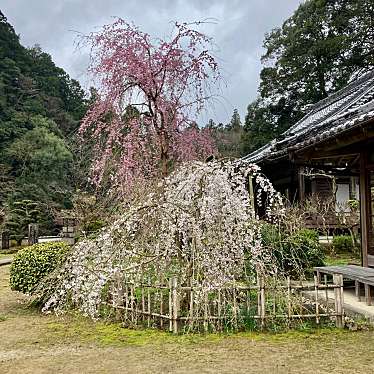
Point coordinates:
[(33, 263)]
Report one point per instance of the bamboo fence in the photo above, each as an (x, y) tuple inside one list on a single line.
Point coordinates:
[(182, 308)]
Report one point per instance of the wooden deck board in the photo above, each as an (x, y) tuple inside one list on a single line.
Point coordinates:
[(359, 274), (348, 271)]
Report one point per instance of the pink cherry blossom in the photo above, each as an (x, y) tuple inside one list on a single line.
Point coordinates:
[(150, 91)]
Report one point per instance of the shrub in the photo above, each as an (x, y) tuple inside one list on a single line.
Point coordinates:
[(294, 253), (343, 243), (33, 263), (94, 226)]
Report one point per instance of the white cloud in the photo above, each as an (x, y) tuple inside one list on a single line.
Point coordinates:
[(238, 32)]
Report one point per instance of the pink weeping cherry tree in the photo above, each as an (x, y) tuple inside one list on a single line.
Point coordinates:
[(149, 92)]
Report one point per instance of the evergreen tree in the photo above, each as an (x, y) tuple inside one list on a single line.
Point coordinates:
[(21, 215), (235, 123), (314, 53), (228, 138), (40, 109)]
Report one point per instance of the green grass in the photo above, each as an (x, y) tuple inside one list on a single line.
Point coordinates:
[(342, 259), (32, 342), (79, 328)]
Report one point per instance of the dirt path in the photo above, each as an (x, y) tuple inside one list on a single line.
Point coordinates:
[(31, 343)]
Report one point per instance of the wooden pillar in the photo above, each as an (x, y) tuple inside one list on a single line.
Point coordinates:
[(364, 201), (301, 183), (358, 290), (352, 188)]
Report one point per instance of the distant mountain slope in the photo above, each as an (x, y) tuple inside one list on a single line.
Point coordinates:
[(40, 110)]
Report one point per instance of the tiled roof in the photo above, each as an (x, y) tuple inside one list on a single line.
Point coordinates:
[(339, 112)]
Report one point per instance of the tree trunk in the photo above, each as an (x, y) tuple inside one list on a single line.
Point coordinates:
[(164, 154), (164, 162)]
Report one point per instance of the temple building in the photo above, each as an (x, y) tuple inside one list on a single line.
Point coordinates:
[(330, 149)]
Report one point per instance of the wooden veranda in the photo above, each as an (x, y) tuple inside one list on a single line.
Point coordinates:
[(361, 276)]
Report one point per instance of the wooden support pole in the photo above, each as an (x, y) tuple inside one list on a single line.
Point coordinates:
[(326, 292), (368, 294), (316, 298), (364, 208), (358, 290), (301, 180), (318, 274), (339, 301)]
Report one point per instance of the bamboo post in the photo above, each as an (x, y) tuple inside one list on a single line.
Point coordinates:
[(316, 298), (301, 304), (126, 302), (170, 305), (248, 301), (338, 291), (143, 304), (206, 311), (289, 299), (275, 298), (119, 301), (258, 297), (224, 308), (191, 309), (132, 303), (175, 303), (261, 300), (149, 304), (220, 324), (326, 293), (161, 308), (235, 309)]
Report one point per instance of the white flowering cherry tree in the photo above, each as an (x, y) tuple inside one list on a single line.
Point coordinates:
[(199, 226)]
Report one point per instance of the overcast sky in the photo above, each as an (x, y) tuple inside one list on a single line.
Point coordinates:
[(238, 32)]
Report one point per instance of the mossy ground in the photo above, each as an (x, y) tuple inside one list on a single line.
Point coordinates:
[(33, 343)]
